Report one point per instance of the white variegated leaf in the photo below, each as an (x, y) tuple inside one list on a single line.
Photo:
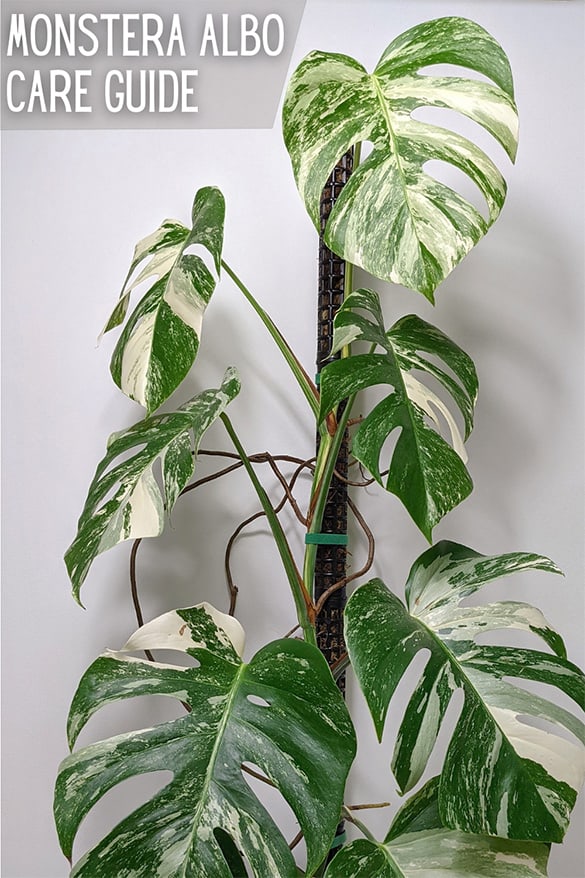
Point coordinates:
[(510, 768), (281, 712), (419, 846), (392, 218), (161, 338), (426, 472), (124, 500)]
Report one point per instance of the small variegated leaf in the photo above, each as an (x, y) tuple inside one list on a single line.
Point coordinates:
[(423, 848), (426, 472), (392, 218), (503, 774), (160, 341), (281, 712), (124, 500)]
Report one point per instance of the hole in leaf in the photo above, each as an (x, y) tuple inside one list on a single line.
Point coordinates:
[(236, 862), (142, 711), (452, 120), (203, 254), (544, 725), (273, 801), (457, 180), (117, 804), (455, 70)]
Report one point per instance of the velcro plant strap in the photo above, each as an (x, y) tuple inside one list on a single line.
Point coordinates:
[(325, 539)]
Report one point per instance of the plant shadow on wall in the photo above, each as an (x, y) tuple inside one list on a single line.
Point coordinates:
[(515, 760)]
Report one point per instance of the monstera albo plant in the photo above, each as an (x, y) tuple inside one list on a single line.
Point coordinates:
[(514, 760)]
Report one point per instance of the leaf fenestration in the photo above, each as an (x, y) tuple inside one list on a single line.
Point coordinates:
[(124, 500), (392, 218), (299, 734), (426, 472), (503, 775)]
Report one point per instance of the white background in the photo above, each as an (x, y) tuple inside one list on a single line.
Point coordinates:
[(75, 203)]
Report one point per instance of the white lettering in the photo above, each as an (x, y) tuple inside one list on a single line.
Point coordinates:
[(110, 18), (225, 37), (50, 92), (64, 35), (209, 37), (188, 91), (118, 95), (17, 34), (83, 50), (279, 33), (48, 35), (249, 29), (154, 37), (176, 36), (14, 74), (37, 93), (152, 91), (128, 34)]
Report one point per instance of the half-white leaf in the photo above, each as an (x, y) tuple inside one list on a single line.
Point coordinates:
[(510, 769), (161, 338), (124, 500)]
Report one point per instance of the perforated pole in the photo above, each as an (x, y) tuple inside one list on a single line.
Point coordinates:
[(331, 560)]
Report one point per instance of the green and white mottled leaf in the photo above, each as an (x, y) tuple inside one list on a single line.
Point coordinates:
[(423, 848), (503, 774), (392, 218), (124, 500), (160, 341), (426, 472), (281, 712)]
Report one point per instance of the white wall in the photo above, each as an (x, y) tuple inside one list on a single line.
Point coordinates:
[(75, 203)]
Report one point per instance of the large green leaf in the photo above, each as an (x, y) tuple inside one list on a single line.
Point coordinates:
[(425, 472), (124, 500), (503, 774), (392, 218), (161, 338), (281, 712), (418, 846)]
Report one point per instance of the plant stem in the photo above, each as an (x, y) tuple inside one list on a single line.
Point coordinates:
[(324, 469), (349, 815), (307, 386), (302, 599)]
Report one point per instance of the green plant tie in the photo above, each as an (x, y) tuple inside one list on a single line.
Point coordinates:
[(326, 539), (339, 840)]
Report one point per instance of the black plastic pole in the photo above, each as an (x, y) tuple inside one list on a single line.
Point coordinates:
[(331, 560)]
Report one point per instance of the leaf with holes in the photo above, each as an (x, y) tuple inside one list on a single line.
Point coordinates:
[(124, 501), (392, 218), (160, 341), (419, 846), (281, 712), (503, 774), (426, 473)]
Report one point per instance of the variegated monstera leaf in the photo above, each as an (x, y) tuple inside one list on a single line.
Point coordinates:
[(508, 769), (160, 341), (419, 846), (426, 472), (281, 712), (392, 218), (124, 500)]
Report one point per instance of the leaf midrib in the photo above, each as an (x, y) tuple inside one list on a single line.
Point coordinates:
[(468, 687), (212, 760), (410, 405), (394, 148)]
